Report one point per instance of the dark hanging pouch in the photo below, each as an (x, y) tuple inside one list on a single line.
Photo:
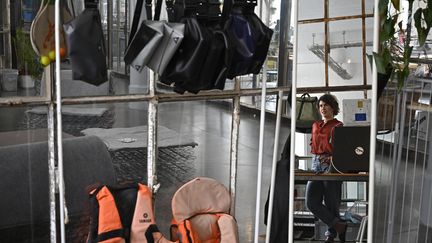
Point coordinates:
[(249, 38), (86, 45), (201, 61)]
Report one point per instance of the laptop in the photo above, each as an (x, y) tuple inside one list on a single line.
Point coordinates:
[(351, 149)]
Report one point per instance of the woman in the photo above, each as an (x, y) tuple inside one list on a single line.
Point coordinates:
[(329, 191)]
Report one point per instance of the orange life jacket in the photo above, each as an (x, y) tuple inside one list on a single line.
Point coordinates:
[(205, 228), (201, 213), (123, 215)]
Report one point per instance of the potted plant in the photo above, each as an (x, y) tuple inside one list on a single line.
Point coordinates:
[(393, 57), (29, 68)]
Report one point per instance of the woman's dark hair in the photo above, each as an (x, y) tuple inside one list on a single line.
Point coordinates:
[(331, 101)]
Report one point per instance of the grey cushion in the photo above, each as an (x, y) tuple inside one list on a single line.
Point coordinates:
[(25, 183)]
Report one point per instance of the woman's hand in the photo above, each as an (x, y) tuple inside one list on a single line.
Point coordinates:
[(325, 160)]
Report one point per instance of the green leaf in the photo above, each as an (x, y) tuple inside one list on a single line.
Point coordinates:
[(410, 4), (417, 17), (387, 31), (422, 32), (383, 8), (407, 55), (395, 4), (381, 61), (427, 12), (401, 76), (369, 57)]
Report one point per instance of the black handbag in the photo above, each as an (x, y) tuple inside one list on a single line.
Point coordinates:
[(200, 62), (249, 38), (306, 113), (86, 46)]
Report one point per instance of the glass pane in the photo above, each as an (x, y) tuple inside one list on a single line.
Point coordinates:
[(104, 144), (255, 81), (369, 5), (369, 48), (310, 9), (193, 140), (247, 168), (255, 102), (310, 55), (24, 79), (24, 179), (346, 55), (344, 8)]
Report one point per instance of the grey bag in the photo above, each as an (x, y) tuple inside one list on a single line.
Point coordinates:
[(172, 37), (143, 44), (155, 42)]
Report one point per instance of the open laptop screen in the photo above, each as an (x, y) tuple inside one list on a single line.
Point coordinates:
[(351, 149)]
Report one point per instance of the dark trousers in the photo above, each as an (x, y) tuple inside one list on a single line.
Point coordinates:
[(330, 193)]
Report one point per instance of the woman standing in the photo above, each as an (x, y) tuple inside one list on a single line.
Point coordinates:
[(327, 191)]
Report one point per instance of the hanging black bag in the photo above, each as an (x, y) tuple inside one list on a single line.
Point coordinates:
[(249, 38), (86, 46), (200, 63)]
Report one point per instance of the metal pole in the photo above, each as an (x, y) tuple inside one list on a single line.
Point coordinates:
[(283, 57), (235, 127), (118, 35), (293, 124), (274, 164), (373, 128), (260, 154), (261, 143), (110, 33), (60, 181), (51, 156), (152, 136)]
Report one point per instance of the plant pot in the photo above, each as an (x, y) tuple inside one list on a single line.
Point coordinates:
[(26, 81), (8, 79)]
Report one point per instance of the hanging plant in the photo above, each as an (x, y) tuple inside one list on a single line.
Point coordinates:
[(393, 57)]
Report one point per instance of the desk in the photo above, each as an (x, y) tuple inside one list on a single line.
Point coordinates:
[(303, 177), (310, 176)]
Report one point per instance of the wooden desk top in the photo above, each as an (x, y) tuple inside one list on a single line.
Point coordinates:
[(310, 176)]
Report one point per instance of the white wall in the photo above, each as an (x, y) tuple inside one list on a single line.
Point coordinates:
[(311, 69)]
